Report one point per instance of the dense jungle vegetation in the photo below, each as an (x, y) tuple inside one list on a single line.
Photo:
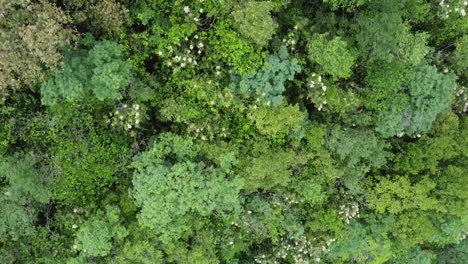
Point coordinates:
[(233, 131)]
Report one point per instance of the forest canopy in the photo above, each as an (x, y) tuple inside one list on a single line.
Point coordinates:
[(233, 131)]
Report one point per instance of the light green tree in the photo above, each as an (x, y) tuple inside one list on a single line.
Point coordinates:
[(101, 72), (253, 21), (334, 56), (172, 184)]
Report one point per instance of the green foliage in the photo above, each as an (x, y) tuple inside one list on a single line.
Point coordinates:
[(23, 191), (269, 168), (96, 236), (396, 195), (429, 94), (278, 122), (170, 181), (365, 243), (358, 151), (252, 19), (383, 35), (329, 97), (230, 48), (268, 84), (453, 254), (334, 56), (345, 4), (101, 72), (415, 256), (87, 168), (142, 252), (460, 56), (87, 159), (260, 131), (384, 82)]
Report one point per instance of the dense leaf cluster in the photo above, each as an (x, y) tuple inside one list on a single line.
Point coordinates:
[(155, 131)]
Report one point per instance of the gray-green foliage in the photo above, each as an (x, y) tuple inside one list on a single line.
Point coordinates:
[(101, 72), (96, 236), (22, 192), (253, 20), (171, 185), (268, 84), (429, 94)]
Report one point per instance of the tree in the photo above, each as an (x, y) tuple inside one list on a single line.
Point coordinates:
[(381, 34), (334, 56), (102, 18), (170, 181), (268, 84), (33, 35), (347, 4), (278, 123), (101, 72), (358, 151), (96, 236), (429, 94), (253, 20), (23, 191)]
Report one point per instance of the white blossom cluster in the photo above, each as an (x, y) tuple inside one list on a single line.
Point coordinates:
[(290, 41), (191, 15), (299, 249), (462, 98), (449, 8), (126, 116), (205, 131), (463, 237), (349, 211), (187, 56), (317, 91)]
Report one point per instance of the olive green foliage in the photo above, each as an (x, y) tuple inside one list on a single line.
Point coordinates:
[(334, 56), (278, 122), (429, 93), (33, 34), (267, 168), (105, 17), (96, 235), (415, 256), (254, 22), (426, 154), (395, 196), (268, 84), (101, 72), (171, 182), (24, 190)]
